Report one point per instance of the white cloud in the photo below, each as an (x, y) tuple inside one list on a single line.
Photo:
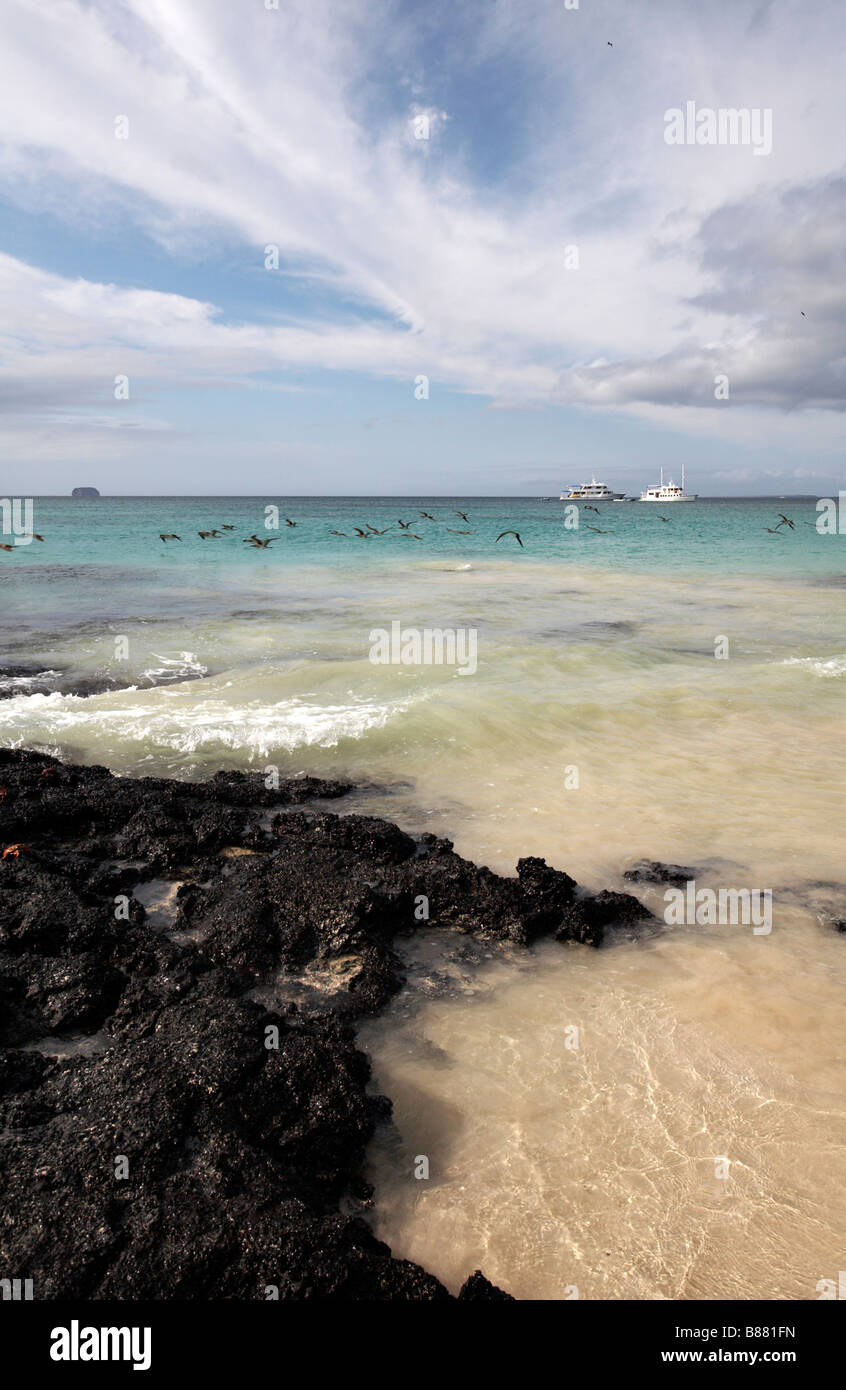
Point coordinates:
[(266, 124)]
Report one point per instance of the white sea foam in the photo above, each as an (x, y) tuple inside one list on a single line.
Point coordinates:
[(22, 683), (174, 668), (173, 720), (832, 668)]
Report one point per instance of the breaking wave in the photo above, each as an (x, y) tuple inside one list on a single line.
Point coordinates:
[(832, 668), (170, 720)]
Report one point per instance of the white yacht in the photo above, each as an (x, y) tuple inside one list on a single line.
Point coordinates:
[(592, 492), (668, 492)]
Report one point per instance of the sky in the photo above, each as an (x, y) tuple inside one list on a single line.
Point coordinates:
[(420, 246)]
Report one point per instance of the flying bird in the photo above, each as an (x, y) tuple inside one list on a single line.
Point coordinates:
[(588, 508), (427, 516), (226, 527), (410, 536), (785, 521), (516, 534), (169, 536), (289, 522), (463, 515), (262, 545), (802, 312), (208, 535), (609, 43), (453, 532), (363, 534), (663, 518), (7, 547), (597, 530), (773, 530), (404, 524), (374, 532), (36, 537), (339, 533)]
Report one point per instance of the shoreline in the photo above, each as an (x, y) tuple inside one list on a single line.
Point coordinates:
[(195, 1142)]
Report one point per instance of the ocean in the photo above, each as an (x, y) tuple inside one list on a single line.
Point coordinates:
[(662, 689)]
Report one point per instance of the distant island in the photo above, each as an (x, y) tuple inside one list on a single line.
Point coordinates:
[(85, 492)]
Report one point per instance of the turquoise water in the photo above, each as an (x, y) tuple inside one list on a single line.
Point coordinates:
[(715, 534), (593, 649), (102, 562)]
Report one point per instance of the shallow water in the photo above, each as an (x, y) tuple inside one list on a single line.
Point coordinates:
[(599, 727), (594, 1168)]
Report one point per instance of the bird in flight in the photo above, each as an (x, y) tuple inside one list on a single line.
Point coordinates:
[(7, 547), (598, 532), (289, 522), (802, 312), (169, 536), (785, 521), (453, 532), (663, 518), (262, 545), (463, 515), (588, 508), (36, 537), (427, 516), (410, 536), (404, 524), (516, 534), (609, 43), (363, 534), (339, 533), (374, 532), (208, 535), (774, 531), (226, 527), (248, 539)]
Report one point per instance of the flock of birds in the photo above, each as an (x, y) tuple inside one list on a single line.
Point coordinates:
[(773, 530), (356, 534), (406, 532)]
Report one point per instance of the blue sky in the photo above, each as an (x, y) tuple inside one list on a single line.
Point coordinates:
[(449, 256)]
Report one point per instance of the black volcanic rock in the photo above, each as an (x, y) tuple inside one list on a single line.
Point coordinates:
[(652, 871), (179, 1116), (85, 492), (477, 1286)]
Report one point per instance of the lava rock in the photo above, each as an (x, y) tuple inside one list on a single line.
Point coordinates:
[(652, 871), (477, 1286), (208, 1143)]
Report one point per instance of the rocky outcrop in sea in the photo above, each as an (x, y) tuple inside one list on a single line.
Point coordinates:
[(164, 1133)]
